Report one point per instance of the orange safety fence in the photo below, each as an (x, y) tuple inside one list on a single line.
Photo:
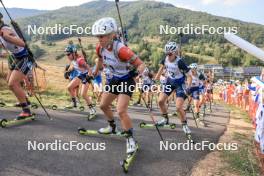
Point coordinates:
[(250, 106)]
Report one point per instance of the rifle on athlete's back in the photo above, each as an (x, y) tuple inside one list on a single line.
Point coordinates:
[(82, 49), (89, 78)]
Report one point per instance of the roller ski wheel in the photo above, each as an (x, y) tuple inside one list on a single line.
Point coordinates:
[(54, 107), (81, 130), (172, 126), (189, 138), (85, 132), (127, 162), (3, 123), (145, 125), (81, 108), (2, 104), (34, 106), (6, 123), (142, 124)]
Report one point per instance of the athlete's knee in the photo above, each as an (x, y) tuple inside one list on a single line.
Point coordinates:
[(104, 106), (12, 85), (84, 94), (161, 102), (69, 88), (179, 108), (121, 112)]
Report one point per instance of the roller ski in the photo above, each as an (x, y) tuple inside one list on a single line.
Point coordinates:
[(21, 119), (70, 107), (187, 133), (151, 125), (132, 149), (101, 132), (164, 123), (3, 104)]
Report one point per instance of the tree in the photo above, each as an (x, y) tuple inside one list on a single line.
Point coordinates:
[(144, 55), (218, 54), (155, 59)]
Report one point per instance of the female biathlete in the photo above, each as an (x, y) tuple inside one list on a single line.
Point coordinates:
[(21, 64), (197, 78), (147, 82), (118, 61), (79, 64), (176, 73)]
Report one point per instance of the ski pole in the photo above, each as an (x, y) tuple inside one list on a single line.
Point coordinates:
[(152, 118), (121, 24)]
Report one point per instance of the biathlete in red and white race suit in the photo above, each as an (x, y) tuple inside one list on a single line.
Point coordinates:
[(83, 76), (118, 61)]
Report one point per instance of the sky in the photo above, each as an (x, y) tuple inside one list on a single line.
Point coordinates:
[(245, 10)]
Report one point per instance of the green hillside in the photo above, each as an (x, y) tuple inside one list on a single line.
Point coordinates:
[(143, 19)]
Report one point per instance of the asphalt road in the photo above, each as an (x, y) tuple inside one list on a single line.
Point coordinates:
[(16, 159)]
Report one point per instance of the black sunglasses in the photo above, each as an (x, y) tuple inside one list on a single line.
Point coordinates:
[(169, 54), (100, 36)]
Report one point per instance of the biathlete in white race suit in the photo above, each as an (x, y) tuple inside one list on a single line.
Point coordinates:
[(209, 86), (118, 61), (21, 64), (83, 76), (147, 83), (176, 74), (197, 81)]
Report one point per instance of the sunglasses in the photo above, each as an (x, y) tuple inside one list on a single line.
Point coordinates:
[(101, 36), (68, 54), (169, 54)]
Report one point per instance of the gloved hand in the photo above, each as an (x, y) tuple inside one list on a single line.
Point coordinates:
[(188, 91), (89, 78), (66, 75)]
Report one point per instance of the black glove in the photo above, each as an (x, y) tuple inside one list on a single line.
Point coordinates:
[(66, 75), (133, 73), (89, 78)]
